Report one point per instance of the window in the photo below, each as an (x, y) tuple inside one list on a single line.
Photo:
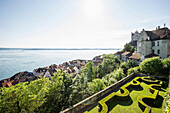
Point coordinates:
[(158, 43), (153, 51), (158, 51), (153, 43)]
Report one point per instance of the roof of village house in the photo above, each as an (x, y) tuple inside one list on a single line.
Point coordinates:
[(135, 56), (151, 55), (5, 80), (8, 84), (126, 53), (118, 53), (162, 33)]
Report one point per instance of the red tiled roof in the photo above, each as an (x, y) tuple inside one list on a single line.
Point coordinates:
[(126, 53), (135, 56), (161, 33)]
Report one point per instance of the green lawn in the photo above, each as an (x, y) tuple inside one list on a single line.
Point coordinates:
[(131, 105)]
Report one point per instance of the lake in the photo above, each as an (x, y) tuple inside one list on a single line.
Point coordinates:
[(14, 61)]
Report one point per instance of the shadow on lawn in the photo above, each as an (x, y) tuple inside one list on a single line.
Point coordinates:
[(153, 103), (114, 101)]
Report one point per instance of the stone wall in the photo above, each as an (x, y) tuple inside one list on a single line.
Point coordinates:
[(94, 98)]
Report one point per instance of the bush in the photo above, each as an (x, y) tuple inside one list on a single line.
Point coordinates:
[(125, 67), (166, 64), (133, 70), (119, 73), (152, 66), (96, 85)]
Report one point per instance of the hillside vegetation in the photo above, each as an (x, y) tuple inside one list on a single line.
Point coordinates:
[(63, 90)]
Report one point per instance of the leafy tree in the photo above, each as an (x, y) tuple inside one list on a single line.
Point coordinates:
[(125, 67), (96, 85), (60, 93), (109, 79), (130, 63), (80, 86), (128, 48), (89, 71), (119, 73), (133, 70), (107, 66), (166, 63), (113, 77), (112, 57), (152, 65), (23, 97)]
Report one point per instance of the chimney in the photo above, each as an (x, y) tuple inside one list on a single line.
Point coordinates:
[(158, 27)]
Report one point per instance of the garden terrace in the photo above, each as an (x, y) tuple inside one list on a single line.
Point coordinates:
[(142, 94)]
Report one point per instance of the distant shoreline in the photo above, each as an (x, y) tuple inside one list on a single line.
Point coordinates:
[(60, 48)]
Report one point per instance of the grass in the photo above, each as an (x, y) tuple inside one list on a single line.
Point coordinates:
[(131, 105)]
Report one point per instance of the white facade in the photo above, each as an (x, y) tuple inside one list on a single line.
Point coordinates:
[(135, 36), (150, 43)]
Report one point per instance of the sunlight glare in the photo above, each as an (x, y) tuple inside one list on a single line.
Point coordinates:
[(93, 9)]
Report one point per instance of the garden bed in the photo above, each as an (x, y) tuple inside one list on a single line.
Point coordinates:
[(147, 96)]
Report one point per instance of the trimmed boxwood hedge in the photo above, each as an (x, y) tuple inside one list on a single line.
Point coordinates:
[(154, 86), (120, 96), (153, 89)]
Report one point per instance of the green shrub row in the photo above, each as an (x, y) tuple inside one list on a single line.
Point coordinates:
[(153, 88), (103, 108), (149, 80)]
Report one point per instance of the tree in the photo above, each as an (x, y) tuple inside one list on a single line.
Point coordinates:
[(96, 85), (166, 63), (133, 70), (60, 93), (24, 97), (109, 79), (152, 65), (119, 73), (128, 48), (125, 67), (89, 71), (130, 63), (109, 64), (80, 85)]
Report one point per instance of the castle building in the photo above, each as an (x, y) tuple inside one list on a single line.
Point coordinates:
[(153, 43)]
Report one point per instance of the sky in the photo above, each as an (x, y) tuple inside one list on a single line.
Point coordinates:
[(78, 23)]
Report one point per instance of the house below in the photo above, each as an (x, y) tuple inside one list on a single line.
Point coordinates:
[(136, 58), (125, 56)]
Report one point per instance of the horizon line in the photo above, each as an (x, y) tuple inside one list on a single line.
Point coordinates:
[(5, 48)]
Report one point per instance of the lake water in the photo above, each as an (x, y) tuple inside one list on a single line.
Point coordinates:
[(14, 61)]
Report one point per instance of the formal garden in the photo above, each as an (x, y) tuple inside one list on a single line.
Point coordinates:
[(142, 94), (149, 93)]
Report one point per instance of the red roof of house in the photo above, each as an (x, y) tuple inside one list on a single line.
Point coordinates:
[(126, 53), (135, 56), (162, 33)]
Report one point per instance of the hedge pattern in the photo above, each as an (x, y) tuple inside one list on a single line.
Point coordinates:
[(154, 86), (103, 108)]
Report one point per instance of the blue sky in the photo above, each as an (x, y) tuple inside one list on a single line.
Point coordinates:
[(78, 23)]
